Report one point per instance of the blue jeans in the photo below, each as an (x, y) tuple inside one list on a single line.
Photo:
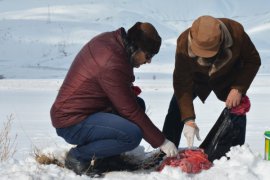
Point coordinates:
[(102, 135)]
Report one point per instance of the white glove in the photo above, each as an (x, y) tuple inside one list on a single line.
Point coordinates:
[(190, 130), (169, 148)]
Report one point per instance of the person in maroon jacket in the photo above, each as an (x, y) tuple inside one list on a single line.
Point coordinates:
[(214, 54), (96, 108)]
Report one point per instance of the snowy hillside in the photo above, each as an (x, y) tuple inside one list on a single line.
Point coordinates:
[(39, 39)]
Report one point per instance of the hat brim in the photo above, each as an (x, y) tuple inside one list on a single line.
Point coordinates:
[(206, 53)]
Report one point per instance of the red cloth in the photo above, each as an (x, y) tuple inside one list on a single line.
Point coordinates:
[(189, 161), (137, 90), (242, 108)]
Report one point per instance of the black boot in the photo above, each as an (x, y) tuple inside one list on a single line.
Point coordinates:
[(152, 161), (77, 166), (80, 168), (114, 163)]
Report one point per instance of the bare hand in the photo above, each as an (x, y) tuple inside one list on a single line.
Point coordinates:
[(233, 99)]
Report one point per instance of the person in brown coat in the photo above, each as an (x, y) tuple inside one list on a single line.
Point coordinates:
[(214, 54), (96, 108)]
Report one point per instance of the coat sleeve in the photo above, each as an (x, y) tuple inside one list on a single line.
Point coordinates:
[(183, 85), (117, 86), (250, 66)]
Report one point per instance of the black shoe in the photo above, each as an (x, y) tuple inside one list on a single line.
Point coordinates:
[(114, 163), (97, 167), (74, 164), (153, 161), (80, 168)]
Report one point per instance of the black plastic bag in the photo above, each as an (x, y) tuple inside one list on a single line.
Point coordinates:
[(229, 130)]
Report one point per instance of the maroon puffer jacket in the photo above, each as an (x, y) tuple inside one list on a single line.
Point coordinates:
[(101, 77)]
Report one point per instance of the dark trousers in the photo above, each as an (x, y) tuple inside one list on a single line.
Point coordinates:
[(173, 126), (102, 135)]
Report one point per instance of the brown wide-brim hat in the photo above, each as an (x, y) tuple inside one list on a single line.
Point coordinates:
[(205, 36), (145, 36)]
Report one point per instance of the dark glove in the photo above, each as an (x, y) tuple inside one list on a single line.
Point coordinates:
[(137, 90)]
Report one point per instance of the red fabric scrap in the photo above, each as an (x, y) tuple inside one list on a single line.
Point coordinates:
[(137, 90), (242, 108), (189, 161)]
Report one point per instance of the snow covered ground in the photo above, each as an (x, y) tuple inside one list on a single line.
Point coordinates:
[(39, 39), (29, 102)]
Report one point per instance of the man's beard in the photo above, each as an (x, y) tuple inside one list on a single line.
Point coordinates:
[(133, 61)]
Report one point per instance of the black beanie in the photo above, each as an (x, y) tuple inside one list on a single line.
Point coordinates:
[(145, 37)]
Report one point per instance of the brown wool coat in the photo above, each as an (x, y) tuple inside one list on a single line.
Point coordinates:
[(238, 72), (99, 78)]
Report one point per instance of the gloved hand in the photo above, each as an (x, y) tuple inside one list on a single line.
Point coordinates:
[(137, 90), (169, 148), (190, 130)]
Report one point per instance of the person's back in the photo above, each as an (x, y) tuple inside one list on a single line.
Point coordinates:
[(225, 72), (81, 93)]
